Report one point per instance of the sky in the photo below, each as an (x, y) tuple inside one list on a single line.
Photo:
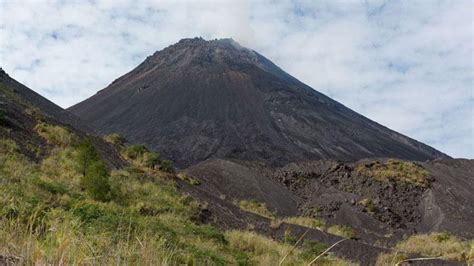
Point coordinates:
[(405, 64)]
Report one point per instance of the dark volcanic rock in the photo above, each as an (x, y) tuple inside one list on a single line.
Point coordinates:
[(380, 212), (199, 99)]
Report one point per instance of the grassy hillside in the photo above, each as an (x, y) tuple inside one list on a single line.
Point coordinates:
[(69, 208)]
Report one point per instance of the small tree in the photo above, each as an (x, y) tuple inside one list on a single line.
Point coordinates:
[(96, 181), (86, 155), (95, 177)]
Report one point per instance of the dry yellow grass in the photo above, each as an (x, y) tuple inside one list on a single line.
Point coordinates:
[(264, 250), (343, 231), (305, 221), (256, 207), (55, 135), (435, 245)]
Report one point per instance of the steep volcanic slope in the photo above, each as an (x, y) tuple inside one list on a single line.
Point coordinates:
[(200, 99), (20, 108)]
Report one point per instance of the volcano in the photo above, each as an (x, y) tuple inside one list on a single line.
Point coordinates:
[(199, 99)]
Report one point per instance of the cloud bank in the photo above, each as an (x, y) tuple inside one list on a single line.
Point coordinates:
[(405, 64)]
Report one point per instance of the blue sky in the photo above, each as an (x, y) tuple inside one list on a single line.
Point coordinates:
[(405, 64)]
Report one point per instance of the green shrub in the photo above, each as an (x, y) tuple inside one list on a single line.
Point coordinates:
[(96, 181), (95, 177)]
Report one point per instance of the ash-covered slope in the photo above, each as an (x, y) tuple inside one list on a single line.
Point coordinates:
[(20, 110), (202, 99)]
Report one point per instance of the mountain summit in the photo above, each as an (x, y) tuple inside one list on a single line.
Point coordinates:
[(201, 99)]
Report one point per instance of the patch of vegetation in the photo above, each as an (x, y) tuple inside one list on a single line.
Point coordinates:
[(143, 157), (288, 237), (369, 205), (343, 231), (55, 135), (312, 248), (442, 244), (394, 258), (8, 146), (305, 221), (264, 251), (188, 178), (395, 171), (11, 93), (48, 215), (115, 139), (36, 114), (256, 207)]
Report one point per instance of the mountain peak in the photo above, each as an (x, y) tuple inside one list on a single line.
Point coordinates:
[(201, 99), (199, 41)]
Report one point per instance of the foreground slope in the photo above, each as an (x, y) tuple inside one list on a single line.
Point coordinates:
[(21, 109), (202, 99)]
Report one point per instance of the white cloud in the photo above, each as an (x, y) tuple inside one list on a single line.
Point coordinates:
[(407, 65)]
